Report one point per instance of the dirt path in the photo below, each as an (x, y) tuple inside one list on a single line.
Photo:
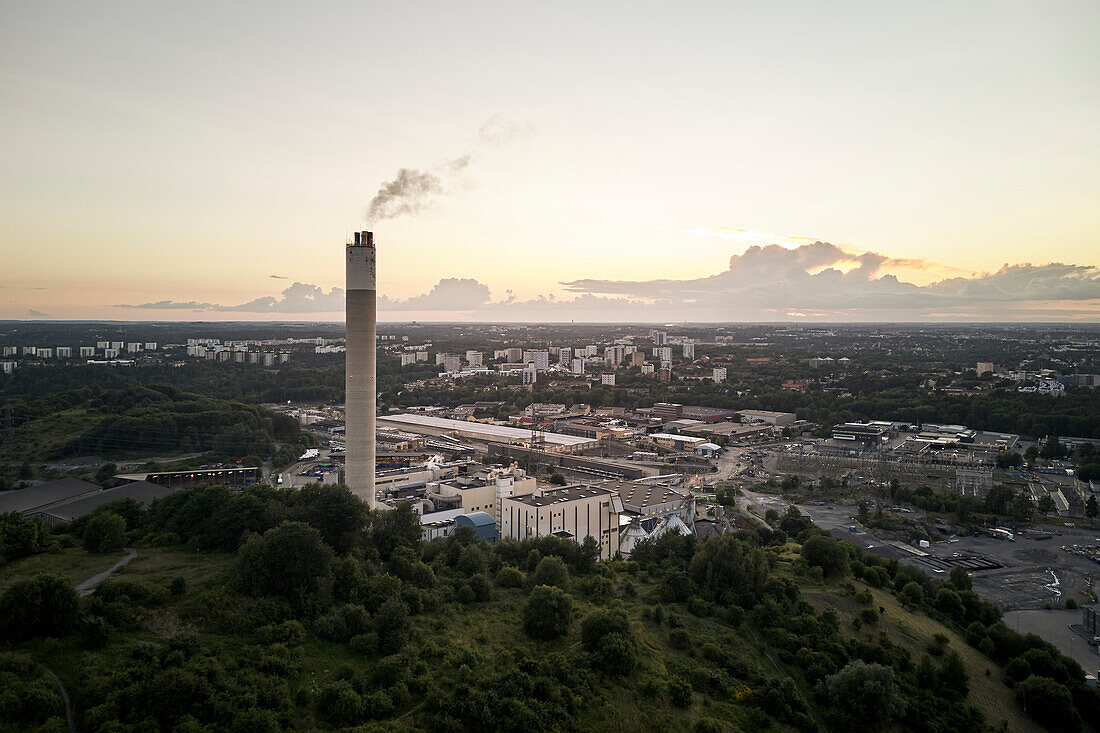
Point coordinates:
[(64, 696), (89, 585)]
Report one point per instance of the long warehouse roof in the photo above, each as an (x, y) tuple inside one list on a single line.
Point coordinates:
[(477, 428)]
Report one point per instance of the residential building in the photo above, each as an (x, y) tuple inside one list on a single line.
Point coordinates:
[(608, 380), (984, 367), (689, 349)]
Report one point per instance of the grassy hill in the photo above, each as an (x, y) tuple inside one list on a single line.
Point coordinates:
[(213, 627)]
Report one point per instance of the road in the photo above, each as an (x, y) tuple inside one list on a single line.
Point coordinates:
[(88, 586)]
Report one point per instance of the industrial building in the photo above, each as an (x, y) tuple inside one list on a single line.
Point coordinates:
[(574, 512), (430, 425), (68, 499)]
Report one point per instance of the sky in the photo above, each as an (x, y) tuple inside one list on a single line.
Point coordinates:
[(635, 161)]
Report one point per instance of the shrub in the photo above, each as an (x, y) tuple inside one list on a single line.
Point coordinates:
[(510, 577), (599, 624), (679, 639), (551, 571), (615, 653), (178, 586), (547, 613), (868, 616), (679, 692)]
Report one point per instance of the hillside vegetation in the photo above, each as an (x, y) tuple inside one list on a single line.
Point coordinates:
[(272, 610)]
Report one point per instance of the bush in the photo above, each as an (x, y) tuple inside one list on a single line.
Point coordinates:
[(679, 639), (178, 586), (106, 531), (679, 692), (46, 605), (547, 613), (599, 624), (615, 653), (510, 577), (551, 571)]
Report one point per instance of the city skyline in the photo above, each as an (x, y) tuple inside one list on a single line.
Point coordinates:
[(614, 163)]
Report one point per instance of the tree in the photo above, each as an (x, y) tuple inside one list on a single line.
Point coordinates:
[(826, 553), (105, 473), (954, 681), (557, 479), (1052, 448), (1046, 504), (336, 512), (1048, 702), (551, 571), (106, 531), (391, 624), (960, 579), (1092, 509), (547, 613), (399, 527), (1031, 454), (290, 561), (22, 536), (866, 692), (45, 605)]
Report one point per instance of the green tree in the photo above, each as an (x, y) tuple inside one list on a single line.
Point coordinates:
[(954, 681), (547, 613), (557, 479), (865, 692), (391, 625), (551, 570), (290, 561), (106, 531), (960, 579), (1046, 504), (1092, 509), (826, 553), (45, 605), (1049, 703)]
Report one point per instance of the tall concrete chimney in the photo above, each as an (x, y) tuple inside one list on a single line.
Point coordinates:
[(361, 384)]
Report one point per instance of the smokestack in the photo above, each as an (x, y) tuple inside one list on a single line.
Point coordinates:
[(361, 385)]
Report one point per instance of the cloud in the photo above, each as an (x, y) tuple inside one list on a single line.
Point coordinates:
[(32, 313), (449, 294), (298, 298), (278, 277), (414, 190), (815, 280), (823, 277)]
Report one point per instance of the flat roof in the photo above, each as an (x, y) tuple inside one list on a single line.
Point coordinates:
[(637, 494), (564, 494), (411, 420), (49, 492), (670, 436)]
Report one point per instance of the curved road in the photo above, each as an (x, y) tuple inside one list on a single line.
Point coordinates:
[(89, 585)]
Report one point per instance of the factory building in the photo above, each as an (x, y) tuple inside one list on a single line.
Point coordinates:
[(775, 419), (574, 512)]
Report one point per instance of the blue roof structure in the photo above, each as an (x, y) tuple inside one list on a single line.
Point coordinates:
[(483, 524)]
